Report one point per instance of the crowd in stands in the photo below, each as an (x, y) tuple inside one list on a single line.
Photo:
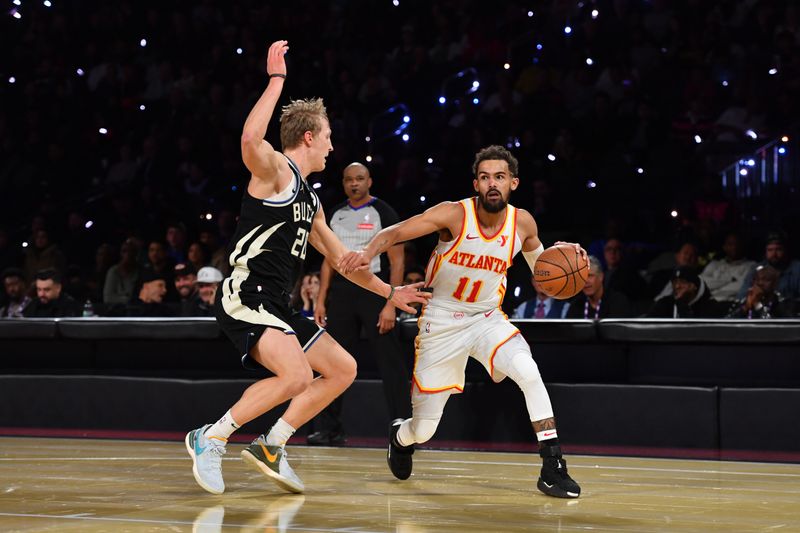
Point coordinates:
[(121, 177)]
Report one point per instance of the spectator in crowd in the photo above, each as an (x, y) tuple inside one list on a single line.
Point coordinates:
[(542, 306), (208, 279), (305, 294), (51, 301), (762, 299), (16, 298), (42, 254), (661, 281), (176, 243), (122, 277), (198, 255), (690, 298), (620, 275), (724, 277), (95, 280), (776, 256), (595, 301), (150, 298), (159, 262), (185, 277)]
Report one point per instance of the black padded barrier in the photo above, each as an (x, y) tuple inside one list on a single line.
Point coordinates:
[(27, 328), (760, 419), (698, 331), (138, 328)]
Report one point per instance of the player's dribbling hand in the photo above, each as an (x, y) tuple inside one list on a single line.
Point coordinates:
[(578, 249), (276, 63), (353, 262), (407, 294)]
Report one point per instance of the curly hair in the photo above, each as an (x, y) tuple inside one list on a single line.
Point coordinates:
[(299, 117), (496, 152)]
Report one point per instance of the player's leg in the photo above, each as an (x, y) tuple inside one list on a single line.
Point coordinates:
[(514, 360), (427, 409), (337, 371), (281, 354)]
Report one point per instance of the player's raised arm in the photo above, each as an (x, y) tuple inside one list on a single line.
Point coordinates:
[(443, 216), (260, 158), (328, 244)]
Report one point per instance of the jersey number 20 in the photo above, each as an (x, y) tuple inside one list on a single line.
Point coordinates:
[(299, 246)]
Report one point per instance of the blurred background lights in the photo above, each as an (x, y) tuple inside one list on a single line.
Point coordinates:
[(317, 185), (405, 137), (673, 214), (80, 72), (143, 43), (506, 66), (785, 139), (551, 157), (640, 170), (239, 51), (773, 71), (406, 119), (595, 13), (102, 131), (368, 158), (89, 224), (567, 29), (589, 61), (442, 99), (698, 139), (530, 13), (142, 107), (430, 160), (750, 133), (743, 172), (12, 79)]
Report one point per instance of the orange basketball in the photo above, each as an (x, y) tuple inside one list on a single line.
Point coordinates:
[(561, 272)]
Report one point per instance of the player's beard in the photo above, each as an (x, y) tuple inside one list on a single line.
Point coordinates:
[(492, 206)]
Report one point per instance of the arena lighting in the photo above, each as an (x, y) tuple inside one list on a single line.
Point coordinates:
[(234, 188), (517, 144), (17, 2), (506, 66), (589, 61), (368, 158), (443, 100), (102, 131), (239, 51), (516, 291), (551, 157), (781, 150), (405, 137), (673, 214), (142, 107), (79, 72), (751, 162), (406, 119), (591, 184), (430, 160), (743, 172), (476, 101), (476, 84), (24, 244), (595, 13), (209, 216), (539, 46), (724, 83), (317, 185), (143, 43), (640, 170), (698, 139), (530, 13), (89, 224), (12, 79), (422, 199), (773, 71), (395, 3), (16, 15), (567, 30), (785, 139), (750, 133), (47, 3)]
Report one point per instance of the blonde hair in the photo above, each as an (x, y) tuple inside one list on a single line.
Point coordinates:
[(299, 117)]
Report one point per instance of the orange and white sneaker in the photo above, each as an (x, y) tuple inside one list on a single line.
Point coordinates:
[(272, 461)]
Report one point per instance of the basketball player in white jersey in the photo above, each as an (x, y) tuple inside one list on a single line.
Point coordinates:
[(280, 215), (478, 239)]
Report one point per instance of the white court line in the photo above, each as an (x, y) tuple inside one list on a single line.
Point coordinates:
[(168, 522)]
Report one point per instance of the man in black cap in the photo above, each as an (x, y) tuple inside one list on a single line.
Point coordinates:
[(690, 298), (185, 276), (150, 298), (776, 256)]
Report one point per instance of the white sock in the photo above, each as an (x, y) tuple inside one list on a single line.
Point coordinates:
[(280, 433), (223, 428), (405, 435)]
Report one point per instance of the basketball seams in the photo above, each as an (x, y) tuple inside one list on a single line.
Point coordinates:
[(571, 271)]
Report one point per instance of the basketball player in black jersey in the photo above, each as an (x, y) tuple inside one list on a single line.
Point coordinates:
[(280, 215)]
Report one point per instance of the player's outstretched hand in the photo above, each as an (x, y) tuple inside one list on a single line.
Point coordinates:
[(276, 63), (407, 294), (578, 248), (353, 262)]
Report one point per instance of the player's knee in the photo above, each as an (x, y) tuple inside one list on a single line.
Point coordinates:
[(298, 380), (347, 370), (424, 429)]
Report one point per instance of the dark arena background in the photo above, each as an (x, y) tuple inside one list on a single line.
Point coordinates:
[(660, 135)]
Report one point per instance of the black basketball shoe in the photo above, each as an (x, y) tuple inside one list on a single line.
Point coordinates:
[(398, 457), (554, 479)]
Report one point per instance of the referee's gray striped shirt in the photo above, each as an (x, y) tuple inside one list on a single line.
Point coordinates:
[(355, 227)]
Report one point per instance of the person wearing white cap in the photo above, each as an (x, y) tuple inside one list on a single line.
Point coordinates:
[(208, 279)]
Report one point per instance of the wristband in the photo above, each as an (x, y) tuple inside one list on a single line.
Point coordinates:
[(277, 75), (391, 293)]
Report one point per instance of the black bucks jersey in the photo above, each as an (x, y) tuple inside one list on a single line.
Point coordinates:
[(268, 251)]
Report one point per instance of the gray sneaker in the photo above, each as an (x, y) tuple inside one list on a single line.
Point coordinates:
[(206, 457), (271, 460)]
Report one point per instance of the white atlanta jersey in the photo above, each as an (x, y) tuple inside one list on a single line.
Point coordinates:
[(468, 274)]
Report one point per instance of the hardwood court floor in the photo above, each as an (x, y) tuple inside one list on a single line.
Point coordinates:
[(111, 485)]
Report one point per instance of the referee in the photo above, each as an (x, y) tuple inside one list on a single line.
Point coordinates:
[(348, 312)]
